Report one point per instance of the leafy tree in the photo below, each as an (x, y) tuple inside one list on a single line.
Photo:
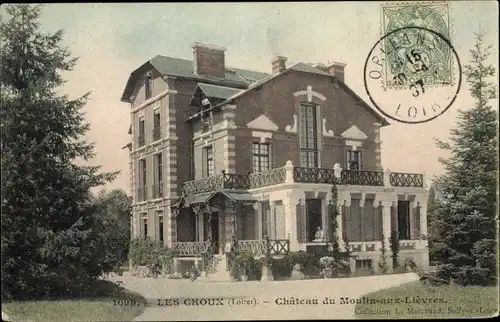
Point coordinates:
[(466, 221), (51, 229), (115, 205)]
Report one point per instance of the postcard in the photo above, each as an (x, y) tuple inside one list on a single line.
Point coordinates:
[(249, 161)]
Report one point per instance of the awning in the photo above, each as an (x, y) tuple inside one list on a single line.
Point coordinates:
[(198, 198), (238, 196)]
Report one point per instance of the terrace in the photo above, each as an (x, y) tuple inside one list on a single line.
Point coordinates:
[(292, 174)]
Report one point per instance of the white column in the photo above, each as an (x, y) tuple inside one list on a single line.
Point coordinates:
[(387, 177), (258, 219), (362, 217), (386, 221), (272, 221), (290, 205), (289, 172)]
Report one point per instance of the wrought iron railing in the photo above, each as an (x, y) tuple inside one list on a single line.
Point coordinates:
[(314, 175), (141, 141), (362, 178), (204, 185), (158, 190), (398, 179), (267, 178), (235, 181), (156, 133), (142, 194), (192, 249), (303, 175)]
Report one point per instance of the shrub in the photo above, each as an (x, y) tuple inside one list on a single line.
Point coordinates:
[(150, 254), (245, 264)]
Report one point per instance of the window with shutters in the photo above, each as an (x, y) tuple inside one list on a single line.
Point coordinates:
[(145, 225), (143, 190), (141, 138), (157, 125), (158, 175), (159, 215)]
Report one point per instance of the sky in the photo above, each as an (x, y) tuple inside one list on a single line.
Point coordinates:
[(114, 39)]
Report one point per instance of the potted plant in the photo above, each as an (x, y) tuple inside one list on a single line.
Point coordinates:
[(327, 263)]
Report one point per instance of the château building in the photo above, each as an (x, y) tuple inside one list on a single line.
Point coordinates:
[(218, 152)]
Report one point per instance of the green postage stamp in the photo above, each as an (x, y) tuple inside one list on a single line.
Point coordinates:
[(417, 43)]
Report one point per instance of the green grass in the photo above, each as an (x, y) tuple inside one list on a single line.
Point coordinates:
[(99, 308), (450, 302)]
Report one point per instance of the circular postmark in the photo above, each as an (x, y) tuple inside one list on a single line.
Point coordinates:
[(412, 75)]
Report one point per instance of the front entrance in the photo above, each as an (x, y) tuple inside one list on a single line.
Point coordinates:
[(212, 229), (404, 219)]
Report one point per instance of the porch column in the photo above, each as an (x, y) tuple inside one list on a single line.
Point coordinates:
[(258, 220), (230, 220), (198, 231), (272, 221), (386, 221), (339, 233), (362, 221), (290, 205)]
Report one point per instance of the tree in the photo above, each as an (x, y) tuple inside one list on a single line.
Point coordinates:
[(394, 243), (51, 229), (116, 213), (382, 264), (465, 220)]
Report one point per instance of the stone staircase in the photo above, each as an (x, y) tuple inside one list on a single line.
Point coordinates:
[(217, 270)]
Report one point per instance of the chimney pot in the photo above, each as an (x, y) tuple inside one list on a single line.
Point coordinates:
[(278, 64), (337, 70), (209, 60)]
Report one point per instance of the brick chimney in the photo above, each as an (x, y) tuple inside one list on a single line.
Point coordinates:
[(278, 64), (337, 70), (209, 60)]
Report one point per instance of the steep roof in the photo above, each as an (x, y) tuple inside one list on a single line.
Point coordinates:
[(168, 66)]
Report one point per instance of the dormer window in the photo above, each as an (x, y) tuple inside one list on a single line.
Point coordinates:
[(148, 85)]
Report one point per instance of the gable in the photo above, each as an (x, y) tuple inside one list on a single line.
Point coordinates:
[(263, 123), (354, 133)]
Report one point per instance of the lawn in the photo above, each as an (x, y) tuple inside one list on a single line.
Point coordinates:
[(111, 307), (420, 301)]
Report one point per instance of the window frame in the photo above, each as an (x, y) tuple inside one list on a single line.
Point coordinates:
[(308, 138), (143, 177), (141, 135), (158, 174), (359, 161), (161, 226), (145, 223), (260, 158), (208, 165)]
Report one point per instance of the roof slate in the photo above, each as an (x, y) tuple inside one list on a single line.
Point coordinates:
[(218, 91)]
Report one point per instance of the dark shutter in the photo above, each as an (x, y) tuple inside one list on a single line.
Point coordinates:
[(328, 222), (394, 219), (301, 223), (204, 163)]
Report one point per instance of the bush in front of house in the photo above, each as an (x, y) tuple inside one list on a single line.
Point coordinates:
[(156, 258), (245, 264)]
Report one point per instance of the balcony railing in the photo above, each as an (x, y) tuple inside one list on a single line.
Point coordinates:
[(156, 133), (192, 249), (290, 174), (314, 175), (267, 178), (141, 140), (142, 194), (398, 179), (158, 190), (362, 178)]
